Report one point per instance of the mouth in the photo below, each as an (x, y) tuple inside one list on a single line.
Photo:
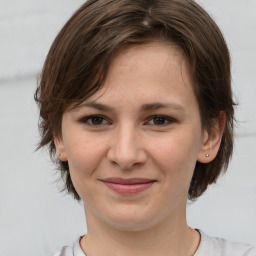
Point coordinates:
[(128, 186)]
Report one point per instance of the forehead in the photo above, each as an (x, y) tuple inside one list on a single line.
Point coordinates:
[(158, 53), (146, 67), (146, 75)]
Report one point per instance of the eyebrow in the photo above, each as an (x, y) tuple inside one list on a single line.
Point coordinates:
[(144, 107), (158, 105), (98, 106)]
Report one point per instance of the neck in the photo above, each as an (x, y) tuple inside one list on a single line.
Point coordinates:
[(170, 237)]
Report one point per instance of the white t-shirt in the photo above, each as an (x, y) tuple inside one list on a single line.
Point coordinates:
[(209, 246)]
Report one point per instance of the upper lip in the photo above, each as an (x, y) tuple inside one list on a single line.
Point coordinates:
[(127, 181)]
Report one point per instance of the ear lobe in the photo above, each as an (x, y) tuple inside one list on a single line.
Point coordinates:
[(212, 140), (60, 150)]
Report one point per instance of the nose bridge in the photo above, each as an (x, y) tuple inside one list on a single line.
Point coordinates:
[(126, 148)]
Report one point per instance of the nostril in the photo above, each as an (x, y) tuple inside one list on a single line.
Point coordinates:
[(126, 162), (125, 148)]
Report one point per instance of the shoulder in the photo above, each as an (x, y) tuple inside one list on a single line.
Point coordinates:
[(71, 250), (65, 251), (213, 246)]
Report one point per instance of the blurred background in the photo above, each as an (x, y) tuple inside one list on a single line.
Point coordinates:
[(35, 218)]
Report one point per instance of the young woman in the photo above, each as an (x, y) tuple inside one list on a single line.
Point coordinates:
[(136, 108)]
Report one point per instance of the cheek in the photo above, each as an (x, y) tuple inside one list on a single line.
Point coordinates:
[(82, 150), (176, 157), (83, 159), (84, 154), (178, 149)]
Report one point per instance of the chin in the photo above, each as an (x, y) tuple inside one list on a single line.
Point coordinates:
[(131, 222)]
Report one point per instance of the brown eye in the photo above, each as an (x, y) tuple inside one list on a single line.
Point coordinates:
[(95, 120), (160, 120)]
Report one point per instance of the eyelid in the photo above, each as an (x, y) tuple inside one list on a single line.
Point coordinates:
[(167, 118), (86, 118)]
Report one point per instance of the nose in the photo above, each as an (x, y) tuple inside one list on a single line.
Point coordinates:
[(126, 148)]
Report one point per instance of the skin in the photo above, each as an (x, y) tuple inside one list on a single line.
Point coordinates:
[(125, 139)]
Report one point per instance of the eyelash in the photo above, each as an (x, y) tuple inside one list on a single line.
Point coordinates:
[(165, 118), (85, 120)]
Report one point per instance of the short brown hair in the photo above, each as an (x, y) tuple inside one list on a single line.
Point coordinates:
[(81, 54)]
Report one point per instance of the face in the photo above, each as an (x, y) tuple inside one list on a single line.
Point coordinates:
[(132, 146)]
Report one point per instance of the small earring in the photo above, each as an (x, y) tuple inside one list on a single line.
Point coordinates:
[(59, 154), (207, 155)]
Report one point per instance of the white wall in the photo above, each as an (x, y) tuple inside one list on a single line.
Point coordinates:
[(34, 217)]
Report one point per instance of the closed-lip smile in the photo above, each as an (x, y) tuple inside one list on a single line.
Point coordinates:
[(129, 186)]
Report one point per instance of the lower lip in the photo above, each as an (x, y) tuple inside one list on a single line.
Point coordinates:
[(131, 189)]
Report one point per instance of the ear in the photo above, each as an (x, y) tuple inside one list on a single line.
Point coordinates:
[(60, 149), (212, 140)]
